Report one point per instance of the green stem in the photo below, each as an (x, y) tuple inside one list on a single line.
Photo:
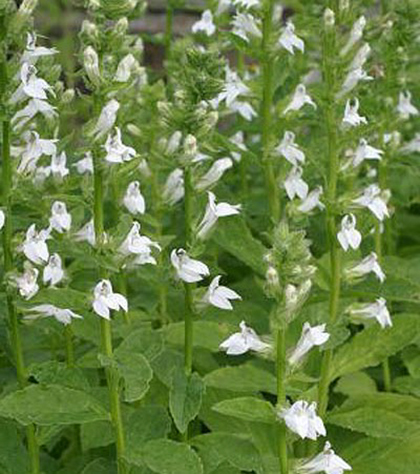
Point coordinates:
[(68, 334), (266, 123), (281, 396)]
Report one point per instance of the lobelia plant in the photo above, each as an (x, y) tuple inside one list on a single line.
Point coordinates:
[(210, 267)]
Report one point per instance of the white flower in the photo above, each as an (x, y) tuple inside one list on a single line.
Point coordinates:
[(116, 151), (174, 142), (352, 79), (53, 272), (205, 24), (213, 212), (361, 57), (295, 185), (2, 219), (351, 116), (133, 199), (85, 165), (310, 337), (301, 418), (144, 169), (247, 3), (366, 152), (356, 34), (377, 310), (33, 52), (214, 173), (290, 150), (312, 201), (126, 66), (34, 148), (238, 140), (299, 99), (349, 236), (60, 219), (405, 108), (233, 88), (244, 109), (173, 190), (139, 245), (244, 341), (91, 65), (188, 269), (35, 247), (27, 282), (327, 462), (289, 41), (86, 233), (245, 25), (31, 109), (31, 86), (375, 200), (106, 119), (413, 146), (63, 316), (58, 166), (105, 300), (220, 296), (367, 265)]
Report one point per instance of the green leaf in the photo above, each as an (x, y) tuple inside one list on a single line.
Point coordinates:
[(185, 398), (14, 458), (372, 345), (137, 374), (143, 341), (100, 466), (50, 405), (164, 456), (407, 384), (242, 378), (248, 409), (355, 384), (58, 373)]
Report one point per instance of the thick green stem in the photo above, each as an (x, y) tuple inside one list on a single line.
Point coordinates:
[(281, 396), (266, 122), (68, 334)]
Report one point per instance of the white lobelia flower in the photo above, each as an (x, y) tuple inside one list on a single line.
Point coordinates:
[(405, 108), (361, 57), (367, 265), (327, 462), (86, 233), (32, 151), (27, 282), (295, 185), (301, 418), (116, 151), (32, 108), (299, 99), (289, 41), (244, 109), (220, 296), (290, 150), (247, 3), (213, 175), (233, 88), (133, 199), (58, 167), (63, 316), (173, 191), (375, 200), (356, 34), (85, 165), (140, 246), (106, 119), (241, 342), (2, 219), (205, 24), (377, 310), (91, 65), (31, 86), (35, 247), (213, 212), (351, 115), (238, 140), (60, 219), (245, 26), (125, 68), (413, 146), (352, 79), (33, 52), (53, 272), (105, 300), (188, 269), (366, 152), (312, 201), (349, 236), (310, 337)]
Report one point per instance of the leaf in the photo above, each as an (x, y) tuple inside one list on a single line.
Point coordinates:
[(100, 466), (248, 409), (58, 373), (355, 384), (407, 384), (137, 374), (143, 341), (51, 404), (185, 398), (14, 458), (242, 378), (164, 456), (372, 345)]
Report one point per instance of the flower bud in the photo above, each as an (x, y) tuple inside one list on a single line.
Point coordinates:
[(94, 4), (121, 27), (344, 5), (23, 14), (89, 31), (272, 282), (91, 65), (190, 147), (117, 8), (138, 46), (173, 143), (125, 68), (68, 96), (134, 130), (329, 18), (291, 295)]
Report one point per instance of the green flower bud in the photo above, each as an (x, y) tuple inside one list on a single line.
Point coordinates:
[(117, 8), (68, 96), (22, 16), (121, 27), (89, 32), (91, 65)]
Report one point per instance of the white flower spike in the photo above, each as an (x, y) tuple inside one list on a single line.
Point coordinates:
[(327, 462), (241, 342), (289, 41), (377, 310), (213, 212), (60, 219), (31, 86), (312, 201), (27, 282), (188, 269), (310, 337), (63, 316), (375, 200), (213, 175), (349, 236), (33, 107), (35, 247), (134, 200), (140, 246), (351, 116), (299, 99), (405, 108), (290, 150), (53, 271), (220, 296), (295, 185), (367, 265), (33, 52), (105, 300), (301, 418), (361, 57), (116, 151), (366, 152), (205, 24)]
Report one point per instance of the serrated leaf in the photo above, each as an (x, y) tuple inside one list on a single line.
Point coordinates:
[(248, 409)]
